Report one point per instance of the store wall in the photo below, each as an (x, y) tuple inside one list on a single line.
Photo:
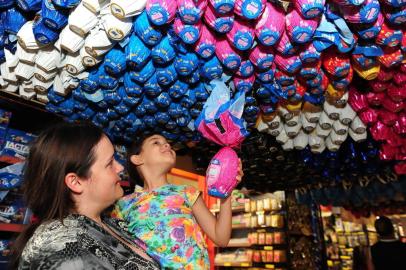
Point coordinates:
[(185, 163), (178, 180)]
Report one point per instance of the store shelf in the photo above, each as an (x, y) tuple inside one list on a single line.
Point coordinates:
[(269, 247), (268, 211), (234, 264), (261, 246), (242, 209), (269, 265), (15, 98), (5, 227), (237, 245), (234, 209), (240, 226), (9, 161)]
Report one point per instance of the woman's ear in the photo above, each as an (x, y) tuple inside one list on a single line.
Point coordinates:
[(74, 183), (136, 160)]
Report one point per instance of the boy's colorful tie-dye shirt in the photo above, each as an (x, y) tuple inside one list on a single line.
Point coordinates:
[(163, 219)]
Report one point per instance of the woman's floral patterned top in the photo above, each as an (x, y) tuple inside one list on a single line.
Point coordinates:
[(163, 219)]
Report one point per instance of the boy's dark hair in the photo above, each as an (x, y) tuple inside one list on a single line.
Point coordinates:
[(135, 149), (384, 226)]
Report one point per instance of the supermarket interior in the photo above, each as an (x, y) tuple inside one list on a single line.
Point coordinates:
[(310, 96)]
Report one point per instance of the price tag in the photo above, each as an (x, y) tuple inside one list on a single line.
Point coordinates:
[(269, 266), (245, 264), (268, 247), (227, 264)]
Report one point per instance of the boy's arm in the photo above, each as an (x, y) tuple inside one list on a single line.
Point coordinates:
[(217, 229)]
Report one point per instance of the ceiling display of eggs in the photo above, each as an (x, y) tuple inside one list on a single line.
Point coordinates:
[(353, 176), (315, 73)]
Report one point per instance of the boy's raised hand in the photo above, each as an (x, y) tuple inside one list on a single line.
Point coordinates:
[(218, 229)]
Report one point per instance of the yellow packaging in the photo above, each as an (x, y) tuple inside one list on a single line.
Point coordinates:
[(275, 205), (268, 220), (261, 219), (367, 74), (267, 204), (294, 107), (260, 205), (247, 206), (253, 207), (277, 221), (247, 220)]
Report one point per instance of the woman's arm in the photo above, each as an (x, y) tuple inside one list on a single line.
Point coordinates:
[(217, 229)]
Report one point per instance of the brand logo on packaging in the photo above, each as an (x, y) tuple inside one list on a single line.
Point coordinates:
[(17, 147)]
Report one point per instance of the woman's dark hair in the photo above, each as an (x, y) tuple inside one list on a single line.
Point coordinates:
[(135, 149), (57, 151)]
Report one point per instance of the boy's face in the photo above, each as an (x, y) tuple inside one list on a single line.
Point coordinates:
[(156, 151)]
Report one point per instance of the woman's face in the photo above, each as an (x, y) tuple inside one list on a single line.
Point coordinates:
[(104, 182)]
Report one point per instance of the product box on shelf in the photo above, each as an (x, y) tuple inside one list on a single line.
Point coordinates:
[(4, 122), (237, 202), (5, 251), (16, 146), (258, 239), (12, 209), (120, 154), (5, 117), (10, 177)]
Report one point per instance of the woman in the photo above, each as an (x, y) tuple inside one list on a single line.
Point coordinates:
[(70, 178)]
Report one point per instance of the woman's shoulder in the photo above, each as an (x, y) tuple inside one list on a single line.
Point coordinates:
[(52, 237)]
